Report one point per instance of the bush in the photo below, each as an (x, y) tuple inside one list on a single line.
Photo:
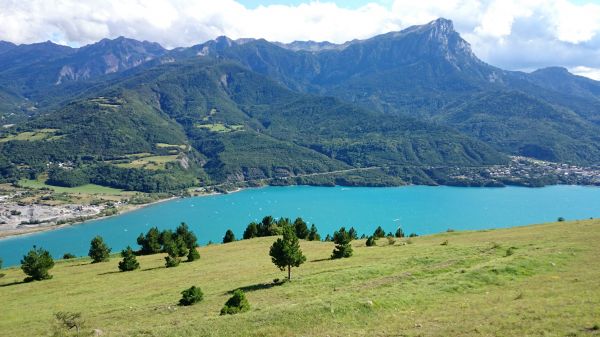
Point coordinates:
[(172, 261), (236, 304), (129, 261), (510, 251), (68, 256), (391, 240), (229, 236), (99, 251), (342, 248), (193, 255), (67, 321), (379, 233), (413, 235), (444, 243), (399, 233), (328, 238), (371, 241), (36, 264), (560, 219), (191, 296)]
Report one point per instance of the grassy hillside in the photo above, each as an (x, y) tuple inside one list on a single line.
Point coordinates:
[(469, 287)]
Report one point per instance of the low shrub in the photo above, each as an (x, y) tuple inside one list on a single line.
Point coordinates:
[(236, 304), (193, 255), (510, 251), (191, 296), (172, 261)]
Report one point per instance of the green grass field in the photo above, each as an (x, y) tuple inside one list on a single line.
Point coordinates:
[(150, 163), (40, 134), (84, 189), (549, 286)]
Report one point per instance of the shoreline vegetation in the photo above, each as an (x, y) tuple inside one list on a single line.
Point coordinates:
[(536, 276)]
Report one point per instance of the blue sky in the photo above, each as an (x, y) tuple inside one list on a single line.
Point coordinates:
[(511, 34)]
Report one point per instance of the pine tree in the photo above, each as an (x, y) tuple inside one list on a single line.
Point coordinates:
[(353, 234), (251, 231), (129, 261), (229, 236), (173, 250), (313, 234), (99, 251), (301, 229), (285, 252), (150, 243), (36, 264), (166, 239), (266, 225), (399, 233), (342, 248), (371, 241), (187, 236), (379, 233)]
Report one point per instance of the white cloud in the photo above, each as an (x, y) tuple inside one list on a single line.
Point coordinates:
[(513, 34), (593, 73), (574, 23)]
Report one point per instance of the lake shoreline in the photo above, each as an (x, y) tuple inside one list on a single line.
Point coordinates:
[(12, 233), (416, 209)]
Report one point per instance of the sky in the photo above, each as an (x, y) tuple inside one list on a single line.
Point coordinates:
[(511, 34)]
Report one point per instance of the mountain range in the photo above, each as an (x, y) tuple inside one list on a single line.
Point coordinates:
[(238, 110)]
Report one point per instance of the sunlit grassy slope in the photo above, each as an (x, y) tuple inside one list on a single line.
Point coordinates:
[(84, 189), (549, 286)]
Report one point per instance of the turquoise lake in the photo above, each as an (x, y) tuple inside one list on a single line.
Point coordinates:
[(418, 209)]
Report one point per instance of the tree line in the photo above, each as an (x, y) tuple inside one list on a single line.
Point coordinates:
[(285, 252)]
